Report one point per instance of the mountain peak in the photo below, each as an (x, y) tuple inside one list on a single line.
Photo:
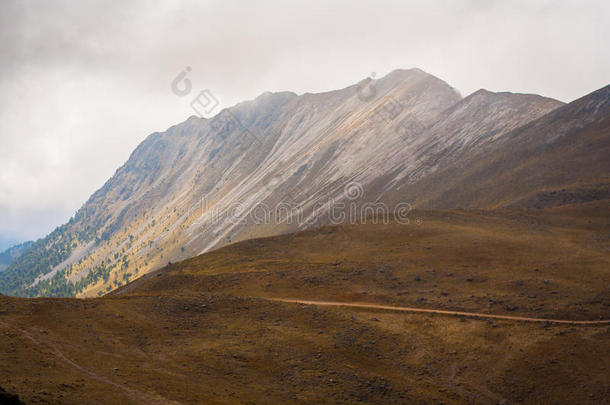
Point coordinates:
[(481, 92), (260, 151), (416, 78), (269, 95), (406, 74)]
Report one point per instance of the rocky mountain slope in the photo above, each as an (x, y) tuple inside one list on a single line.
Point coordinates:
[(560, 158), (284, 162)]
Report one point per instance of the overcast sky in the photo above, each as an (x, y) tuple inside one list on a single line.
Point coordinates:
[(83, 82)]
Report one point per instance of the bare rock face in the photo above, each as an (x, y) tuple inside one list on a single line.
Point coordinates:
[(408, 137)]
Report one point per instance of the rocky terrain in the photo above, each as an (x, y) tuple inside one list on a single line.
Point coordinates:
[(397, 140)]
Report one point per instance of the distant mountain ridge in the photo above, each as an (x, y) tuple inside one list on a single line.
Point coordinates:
[(407, 137), (12, 253)]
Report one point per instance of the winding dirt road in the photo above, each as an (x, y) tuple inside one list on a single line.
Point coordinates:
[(438, 311)]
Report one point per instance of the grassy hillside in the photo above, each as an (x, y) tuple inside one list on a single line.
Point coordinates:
[(202, 331)]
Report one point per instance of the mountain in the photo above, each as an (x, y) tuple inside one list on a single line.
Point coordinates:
[(12, 253), (285, 162), (560, 158), (7, 242)]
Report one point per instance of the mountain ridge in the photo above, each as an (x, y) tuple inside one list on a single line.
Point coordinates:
[(570, 121), (12, 253), (398, 137)]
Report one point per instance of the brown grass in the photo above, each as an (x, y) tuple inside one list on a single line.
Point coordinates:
[(199, 332)]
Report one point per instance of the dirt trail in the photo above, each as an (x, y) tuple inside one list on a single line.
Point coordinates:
[(137, 396), (438, 311)]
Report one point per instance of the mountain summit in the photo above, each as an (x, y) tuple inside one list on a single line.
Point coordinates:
[(408, 137)]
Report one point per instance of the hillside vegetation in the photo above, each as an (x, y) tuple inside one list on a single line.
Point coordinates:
[(204, 331)]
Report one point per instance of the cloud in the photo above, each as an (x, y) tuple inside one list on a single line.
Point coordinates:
[(82, 83)]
